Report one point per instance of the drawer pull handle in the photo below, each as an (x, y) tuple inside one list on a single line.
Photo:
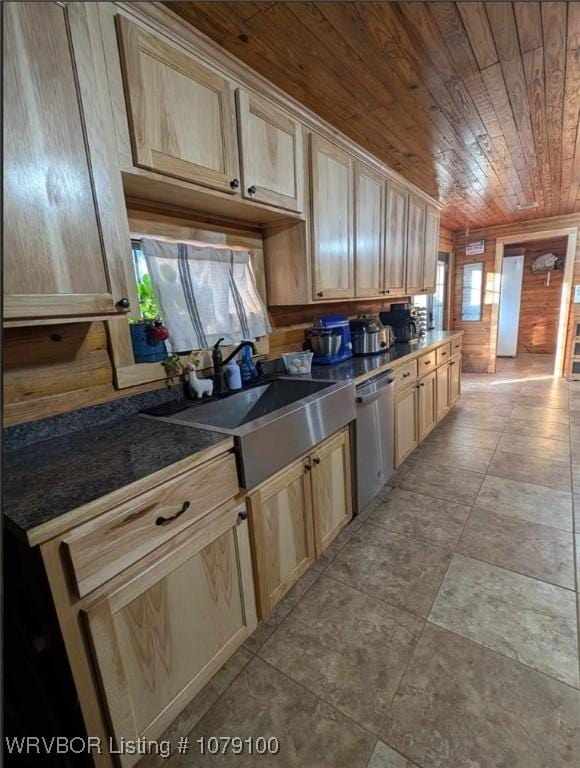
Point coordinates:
[(316, 461), (406, 374), (443, 354), (427, 362), (165, 520), (242, 515)]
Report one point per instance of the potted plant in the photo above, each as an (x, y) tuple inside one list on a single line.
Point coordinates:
[(148, 334)]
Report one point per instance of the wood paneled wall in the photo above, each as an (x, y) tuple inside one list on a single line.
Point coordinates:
[(540, 305), (477, 335)]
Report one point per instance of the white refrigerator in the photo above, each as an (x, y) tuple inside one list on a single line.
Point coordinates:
[(509, 306)]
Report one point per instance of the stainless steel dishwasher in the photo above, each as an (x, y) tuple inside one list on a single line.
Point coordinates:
[(374, 436)]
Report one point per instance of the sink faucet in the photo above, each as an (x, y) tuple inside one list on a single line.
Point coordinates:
[(219, 376)]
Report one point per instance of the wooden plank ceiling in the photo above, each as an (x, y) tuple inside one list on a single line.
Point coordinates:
[(476, 103)]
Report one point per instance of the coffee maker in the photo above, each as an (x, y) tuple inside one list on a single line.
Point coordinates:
[(403, 320)]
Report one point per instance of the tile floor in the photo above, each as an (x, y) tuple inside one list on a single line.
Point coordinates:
[(441, 628)]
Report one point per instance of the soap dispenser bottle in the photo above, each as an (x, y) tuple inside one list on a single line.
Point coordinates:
[(247, 367)]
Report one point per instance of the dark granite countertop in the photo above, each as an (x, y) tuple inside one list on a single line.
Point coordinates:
[(50, 478), (357, 367)]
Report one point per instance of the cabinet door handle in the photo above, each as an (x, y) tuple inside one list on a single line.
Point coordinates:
[(164, 520), (316, 461), (308, 466), (252, 190), (320, 294), (234, 183), (405, 375), (443, 354), (427, 362), (123, 304), (243, 515)]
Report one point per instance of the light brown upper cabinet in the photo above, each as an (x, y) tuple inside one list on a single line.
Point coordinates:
[(271, 157), (181, 114), (431, 249), (396, 240), (332, 219), (369, 193), (66, 239), (415, 245)]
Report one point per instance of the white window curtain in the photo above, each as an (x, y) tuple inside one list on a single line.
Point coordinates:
[(205, 294)]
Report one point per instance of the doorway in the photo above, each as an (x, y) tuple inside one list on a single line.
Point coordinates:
[(530, 313)]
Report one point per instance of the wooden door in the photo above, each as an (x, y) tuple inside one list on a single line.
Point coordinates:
[(415, 245), (158, 638), (454, 380), (442, 391), (181, 114), (282, 536), (331, 489), (427, 405), (395, 240), (332, 236), (66, 243), (405, 423), (271, 159), (369, 231), (431, 249)]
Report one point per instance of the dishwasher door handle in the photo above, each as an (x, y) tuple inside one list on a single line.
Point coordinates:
[(363, 399)]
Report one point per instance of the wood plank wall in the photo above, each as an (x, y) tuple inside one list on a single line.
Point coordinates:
[(540, 304), (477, 335), (58, 368)]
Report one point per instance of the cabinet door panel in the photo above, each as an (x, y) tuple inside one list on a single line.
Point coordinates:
[(181, 114), (369, 242), (332, 247), (427, 403), (331, 490), (431, 249), (271, 153), (158, 638), (281, 525), (415, 245), (442, 391), (405, 423), (395, 240), (54, 248), (454, 379)]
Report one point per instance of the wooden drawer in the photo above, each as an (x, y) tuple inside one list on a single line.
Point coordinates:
[(456, 345), (443, 353), (427, 363), (405, 374), (105, 546)]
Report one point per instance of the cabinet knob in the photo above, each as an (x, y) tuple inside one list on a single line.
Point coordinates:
[(320, 294), (243, 515), (123, 304), (308, 466), (234, 183), (316, 461), (387, 291), (252, 189)]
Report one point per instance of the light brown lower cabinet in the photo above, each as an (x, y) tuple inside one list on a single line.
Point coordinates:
[(161, 635), (295, 515), (427, 404), (454, 379), (443, 392), (406, 439)]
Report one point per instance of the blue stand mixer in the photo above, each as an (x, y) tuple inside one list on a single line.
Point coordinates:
[(329, 339)]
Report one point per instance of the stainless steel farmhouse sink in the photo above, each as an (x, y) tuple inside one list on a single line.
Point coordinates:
[(275, 422)]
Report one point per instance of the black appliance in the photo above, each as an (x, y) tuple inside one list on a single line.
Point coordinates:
[(403, 320)]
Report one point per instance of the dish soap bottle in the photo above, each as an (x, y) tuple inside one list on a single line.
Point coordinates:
[(233, 376), (247, 367)]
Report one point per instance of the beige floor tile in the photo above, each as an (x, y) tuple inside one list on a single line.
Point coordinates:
[(454, 455), (539, 413), (385, 757), (522, 618), (452, 483), (348, 648), (577, 540), (476, 438), (534, 550), (543, 448), (477, 420), (423, 517), (532, 469), (546, 429), (263, 702), (474, 407), (281, 610), (462, 705), (527, 502), (402, 571), (576, 477), (557, 400)]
